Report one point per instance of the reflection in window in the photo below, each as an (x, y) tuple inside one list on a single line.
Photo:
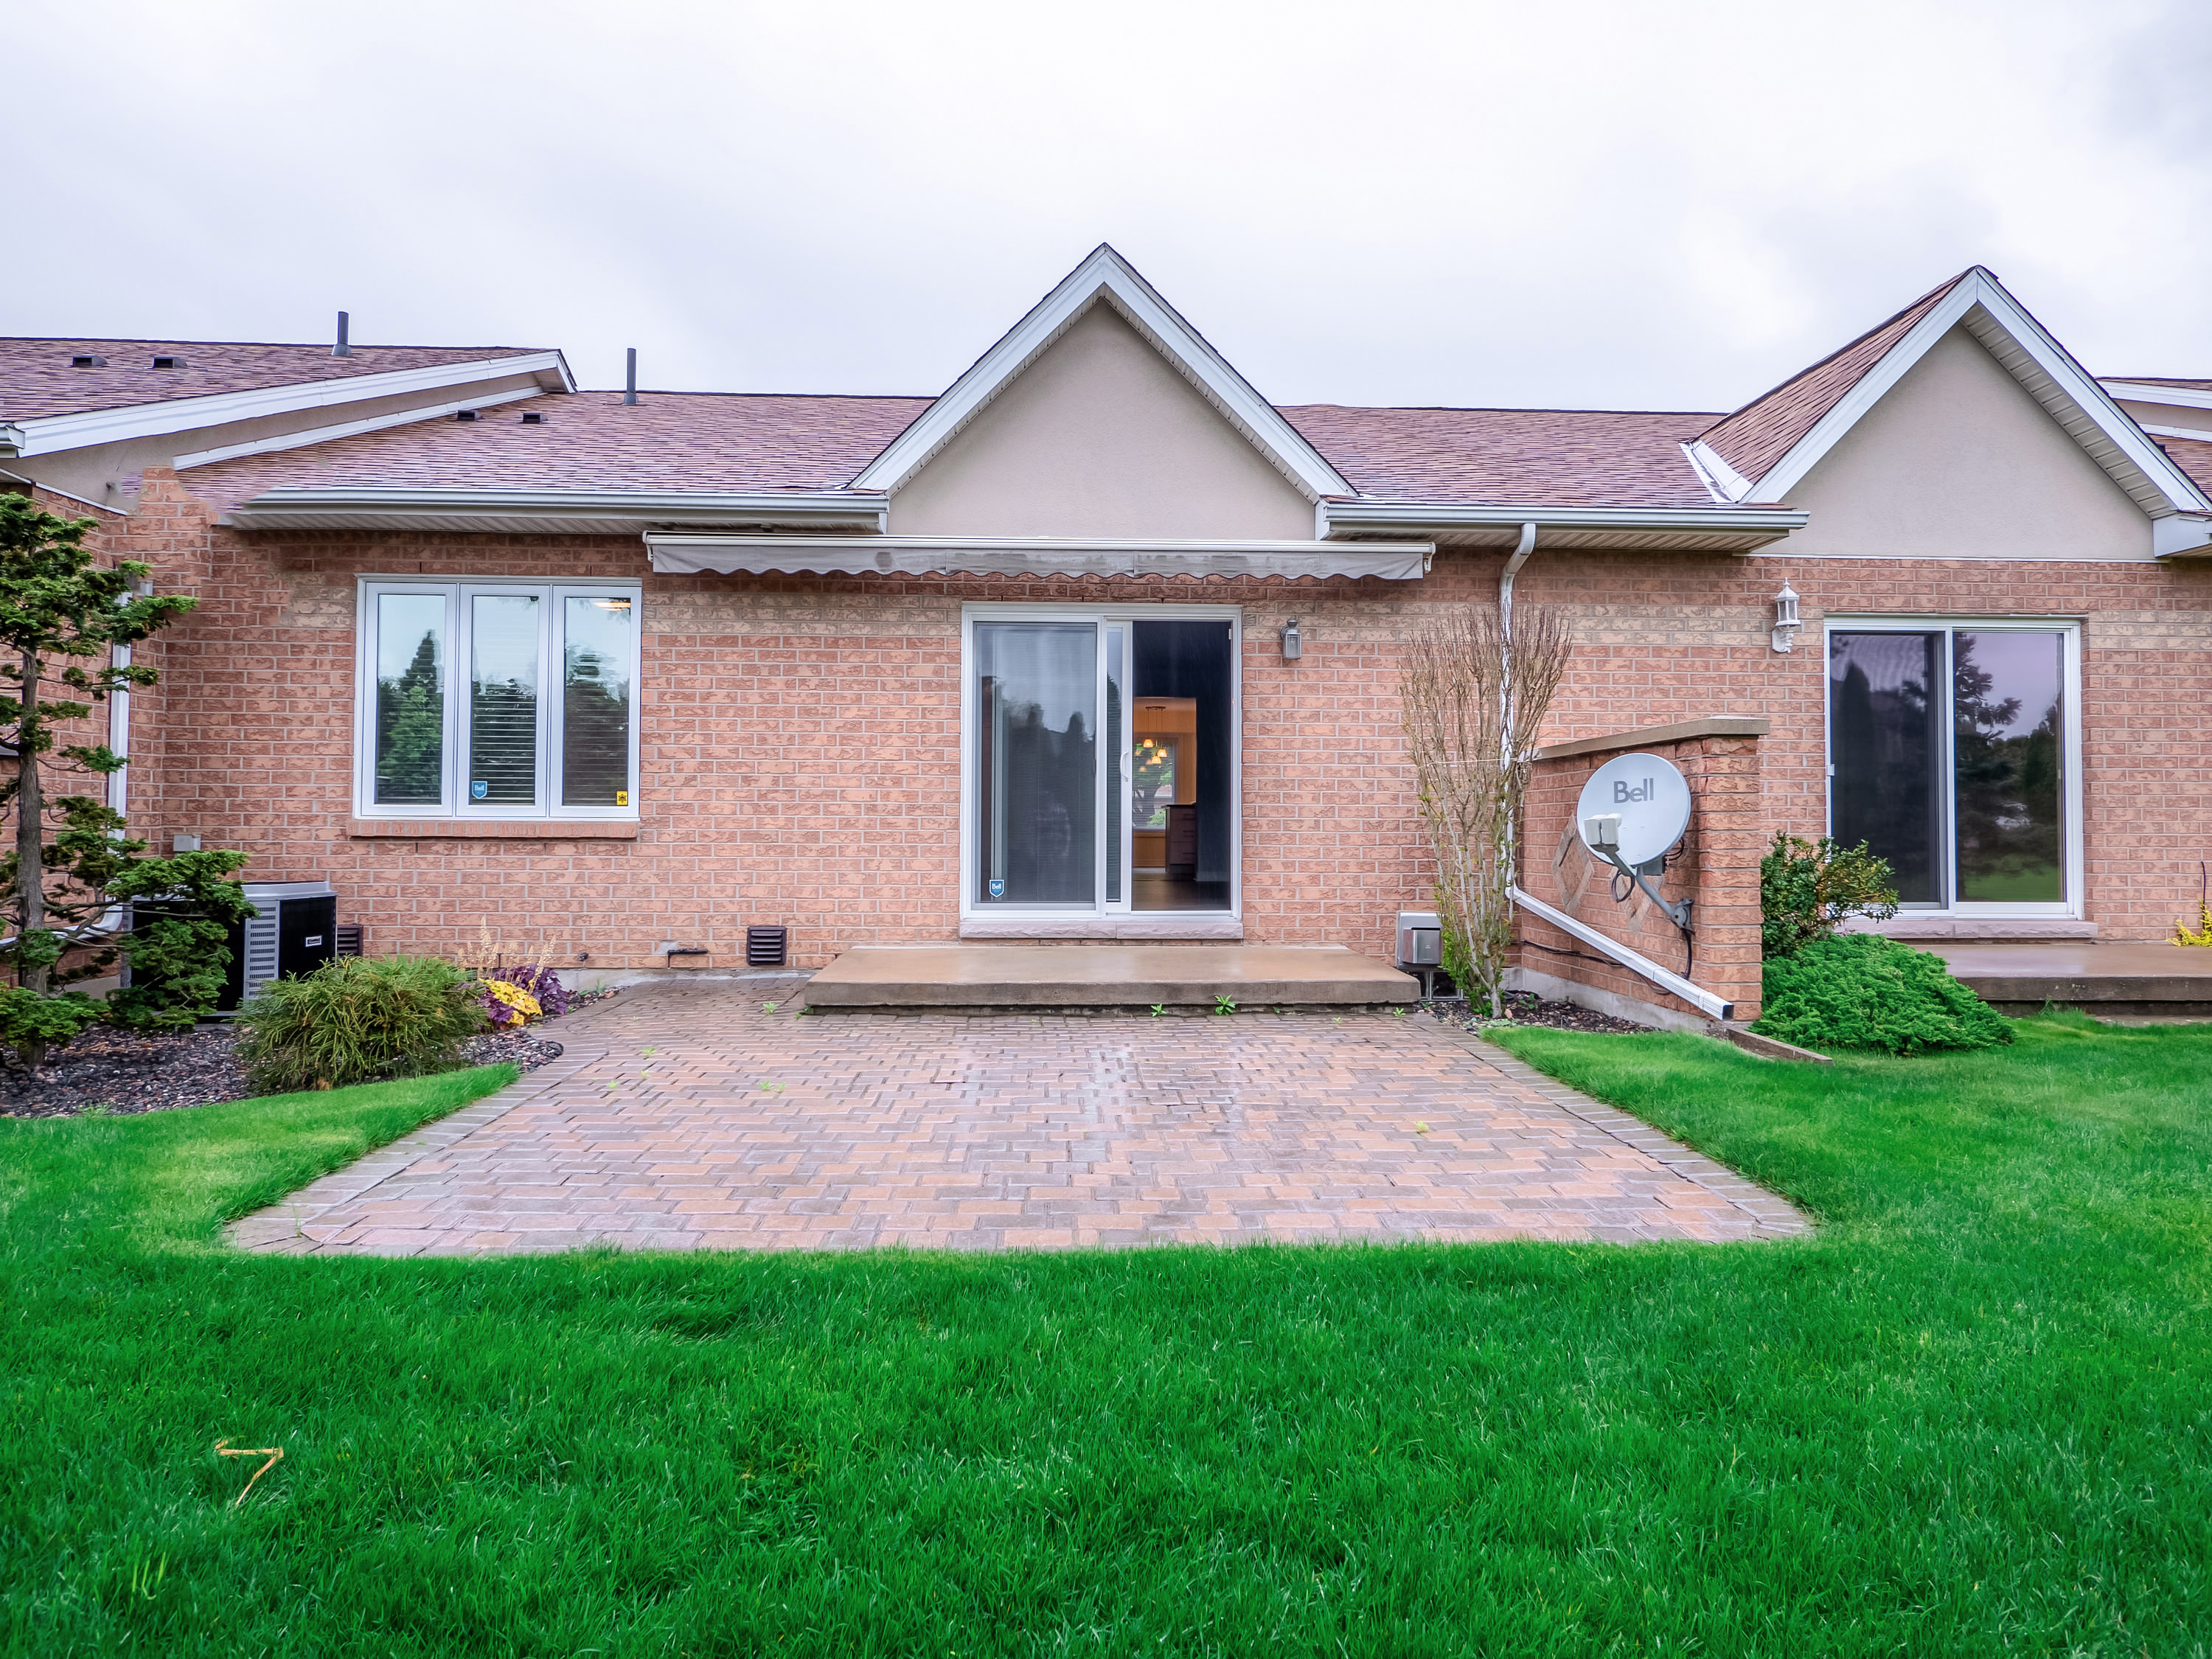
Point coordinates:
[(1947, 751), (595, 703), (2007, 689), (411, 699), (1886, 743), (1036, 762), (1153, 787)]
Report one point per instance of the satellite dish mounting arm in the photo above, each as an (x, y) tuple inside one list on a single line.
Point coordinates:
[(1601, 835)]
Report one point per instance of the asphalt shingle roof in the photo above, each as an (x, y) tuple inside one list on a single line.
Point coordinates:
[(36, 379), (1756, 436)]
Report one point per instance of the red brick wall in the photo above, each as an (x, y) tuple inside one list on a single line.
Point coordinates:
[(800, 743), (1716, 868)]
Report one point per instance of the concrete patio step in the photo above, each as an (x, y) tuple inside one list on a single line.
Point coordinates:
[(2135, 979), (1104, 976)]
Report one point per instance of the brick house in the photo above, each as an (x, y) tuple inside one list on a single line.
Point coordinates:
[(1098, 644)]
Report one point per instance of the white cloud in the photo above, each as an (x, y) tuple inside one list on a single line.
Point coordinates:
[(1599, 202)]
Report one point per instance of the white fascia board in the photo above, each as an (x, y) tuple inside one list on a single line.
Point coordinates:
[(1106, 276), (1340, 516), (1726, 484), (2140, 391), (323, 434), (2181, 535), (596, 512), (54, 433), (1635, 961), (1980, 288), (2196, 435)]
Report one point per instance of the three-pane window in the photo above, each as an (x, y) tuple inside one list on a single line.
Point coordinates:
[(498, 699)]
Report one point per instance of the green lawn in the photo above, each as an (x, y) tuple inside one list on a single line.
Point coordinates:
[(1973, 1415)]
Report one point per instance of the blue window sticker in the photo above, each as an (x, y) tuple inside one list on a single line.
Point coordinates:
[(998, 888), (478, 789)]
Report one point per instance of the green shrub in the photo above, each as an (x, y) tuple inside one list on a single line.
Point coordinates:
[(1806, 888), (1862, 991), (358, 1019)]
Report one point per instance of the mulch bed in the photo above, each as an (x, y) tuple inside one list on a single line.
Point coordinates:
[(1527, 1008), (121, 1071)]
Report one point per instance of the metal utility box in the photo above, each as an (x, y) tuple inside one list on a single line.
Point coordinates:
[(295, 932), (1420, 939)]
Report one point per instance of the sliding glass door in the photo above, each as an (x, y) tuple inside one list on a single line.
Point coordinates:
[(1038, 771), (1050, 820), (1952, 753)]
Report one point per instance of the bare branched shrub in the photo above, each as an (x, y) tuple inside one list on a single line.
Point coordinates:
[(1475, 698)]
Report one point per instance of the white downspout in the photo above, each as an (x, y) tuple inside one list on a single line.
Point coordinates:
[(118, 735), (1512, 570)]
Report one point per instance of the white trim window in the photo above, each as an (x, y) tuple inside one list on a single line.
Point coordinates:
[(496, 700), (1954, 752)]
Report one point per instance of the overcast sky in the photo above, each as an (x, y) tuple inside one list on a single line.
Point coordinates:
[(1584, 205)]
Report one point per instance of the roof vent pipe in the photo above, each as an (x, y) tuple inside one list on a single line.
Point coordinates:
[(342, 349), (629, 395)]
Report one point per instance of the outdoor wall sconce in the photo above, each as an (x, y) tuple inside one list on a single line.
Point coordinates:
[(1292, 647), (1785, 619)]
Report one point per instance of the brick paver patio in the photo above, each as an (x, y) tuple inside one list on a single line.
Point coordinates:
[(684, 1116)]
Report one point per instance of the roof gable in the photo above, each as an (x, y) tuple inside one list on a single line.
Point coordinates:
[(1100, 436), (1760, 452), (1105, 277)]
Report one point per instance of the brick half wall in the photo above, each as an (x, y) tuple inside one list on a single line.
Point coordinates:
[(1716, 867)]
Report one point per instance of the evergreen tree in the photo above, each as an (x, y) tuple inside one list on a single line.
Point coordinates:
[(72, 868)]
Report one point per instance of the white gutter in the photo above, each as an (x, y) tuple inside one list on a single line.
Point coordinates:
[(554, 511), (2140, 391), (11, 441), (1339, 517), (1673, 983), (50, 434), (2178, 534)]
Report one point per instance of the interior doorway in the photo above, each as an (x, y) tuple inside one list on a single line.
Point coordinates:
[(1101, 761), (1180, 771)]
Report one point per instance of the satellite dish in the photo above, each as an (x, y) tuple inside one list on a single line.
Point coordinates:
[(1633, 810)]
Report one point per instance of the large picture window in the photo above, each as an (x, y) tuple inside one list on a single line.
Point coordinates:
[(498, 700), (1952, 753)]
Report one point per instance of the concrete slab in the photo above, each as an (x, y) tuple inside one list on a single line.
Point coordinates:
[(2135, 978), (1103, 976)]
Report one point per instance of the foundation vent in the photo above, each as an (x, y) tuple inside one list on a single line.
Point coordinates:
[(766, 947)]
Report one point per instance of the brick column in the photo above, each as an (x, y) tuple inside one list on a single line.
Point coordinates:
[(1716, 867)]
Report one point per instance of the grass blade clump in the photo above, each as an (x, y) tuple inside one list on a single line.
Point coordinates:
[(1862, 991), (358, 1019)]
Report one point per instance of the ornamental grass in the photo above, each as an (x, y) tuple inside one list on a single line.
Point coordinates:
[(359, 1019)]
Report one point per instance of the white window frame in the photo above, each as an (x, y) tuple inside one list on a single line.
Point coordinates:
[(1105, 616), (2075, 862), (459, 662)]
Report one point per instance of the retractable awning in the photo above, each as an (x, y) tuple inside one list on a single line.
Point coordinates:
[(1039, 556)]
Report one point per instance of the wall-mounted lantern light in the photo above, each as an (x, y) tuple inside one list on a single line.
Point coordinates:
[(1785, 618), (1291, 645)]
